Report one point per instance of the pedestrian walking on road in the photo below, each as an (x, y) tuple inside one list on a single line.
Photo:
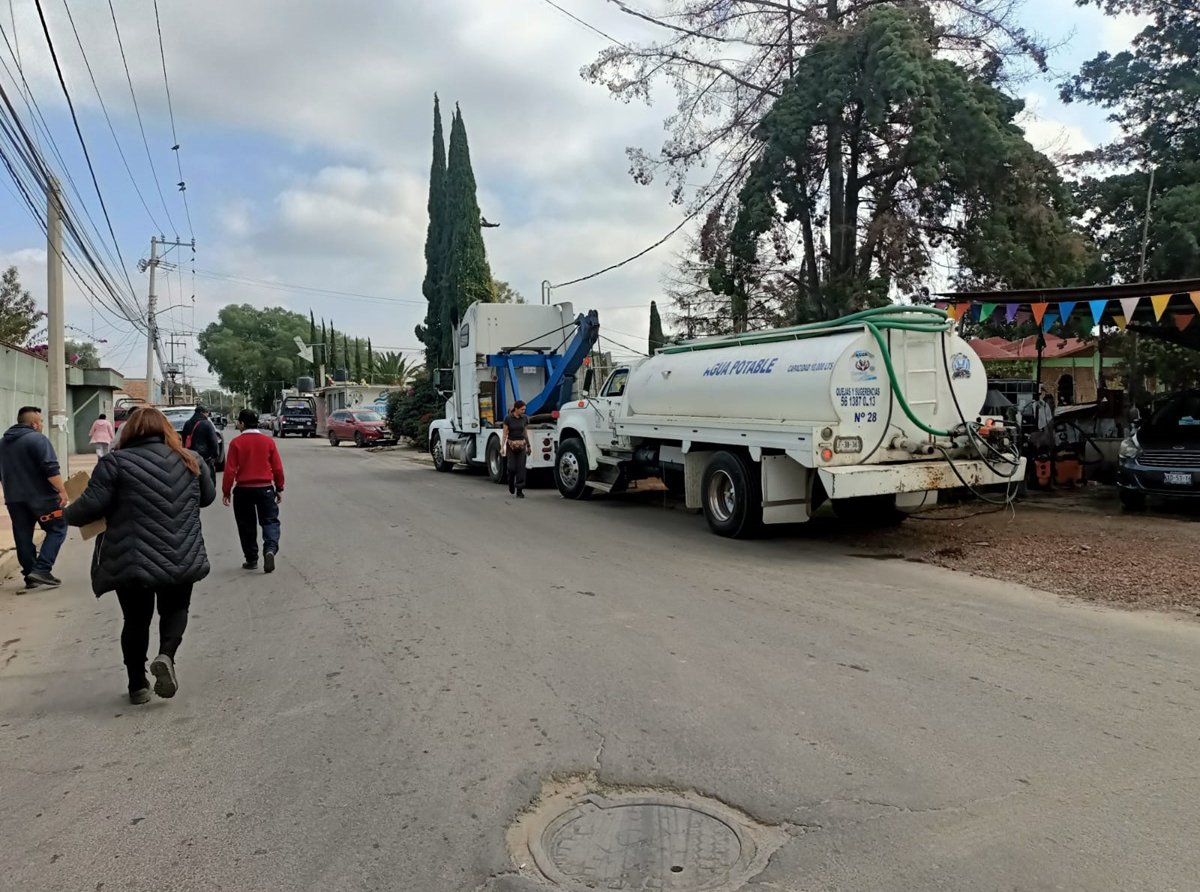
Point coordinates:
[(149, 491), (515, 446), (101, 435), (34, 495), (254, 478), (200, 435)]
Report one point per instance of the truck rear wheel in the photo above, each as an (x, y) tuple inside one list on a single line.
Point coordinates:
[(438, 451), (571, 469), (731, 495), (497, 467)]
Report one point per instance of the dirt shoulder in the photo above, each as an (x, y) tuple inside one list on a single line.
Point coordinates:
[(1079, 547)]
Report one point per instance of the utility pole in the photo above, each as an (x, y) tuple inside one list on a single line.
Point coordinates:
[(151, 330), (152, 305), (173, 371), (56, 356)]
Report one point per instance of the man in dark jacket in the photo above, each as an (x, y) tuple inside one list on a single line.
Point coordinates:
[(34, 494), (200, 435)]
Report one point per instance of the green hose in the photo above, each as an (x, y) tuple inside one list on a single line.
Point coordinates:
[(876, 321)]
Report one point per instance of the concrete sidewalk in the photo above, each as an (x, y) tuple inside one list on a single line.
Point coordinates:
[(8, 552)]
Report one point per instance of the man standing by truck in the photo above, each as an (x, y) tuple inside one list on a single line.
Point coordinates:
[(254, 467), (516, 447)]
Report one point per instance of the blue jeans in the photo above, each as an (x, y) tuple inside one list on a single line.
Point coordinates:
[(24, 516), (255, 506)]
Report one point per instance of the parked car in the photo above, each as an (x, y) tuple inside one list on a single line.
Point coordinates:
[(179, 415), (360, 426), (1162, 457), (297, 416)]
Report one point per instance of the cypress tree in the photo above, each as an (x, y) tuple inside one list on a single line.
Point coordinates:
[(346, 355), (430, 333), (325, 357), (468, 277), (656, 340), (358, 369), (370, 363)]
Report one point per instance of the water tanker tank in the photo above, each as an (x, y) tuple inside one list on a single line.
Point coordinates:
[(835, 378)]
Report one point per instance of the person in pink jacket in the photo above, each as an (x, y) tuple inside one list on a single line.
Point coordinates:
[(101, 435)]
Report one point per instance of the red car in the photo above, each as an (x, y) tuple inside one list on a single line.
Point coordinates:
[(361, 426)]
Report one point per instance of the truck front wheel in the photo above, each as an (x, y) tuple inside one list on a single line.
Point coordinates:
[(438, 450), (497, 467), (571, 469), (731, 494)]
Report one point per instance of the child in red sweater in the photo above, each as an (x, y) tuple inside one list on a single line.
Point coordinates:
[(253, 466)]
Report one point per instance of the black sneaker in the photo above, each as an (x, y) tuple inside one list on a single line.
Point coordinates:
[(520, 493), (140, 696), (163, 670), (269, 562), (511, 489), (30, 585), (250, 565), (43, 579)]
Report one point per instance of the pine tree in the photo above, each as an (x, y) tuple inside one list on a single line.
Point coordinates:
[(656, 339), (370, 363), (468, 278), (430, 333)]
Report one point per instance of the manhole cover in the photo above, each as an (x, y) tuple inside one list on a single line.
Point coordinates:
[(627, 839)]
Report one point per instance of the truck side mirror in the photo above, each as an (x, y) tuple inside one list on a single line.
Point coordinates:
[(589, 380), (445, 381)]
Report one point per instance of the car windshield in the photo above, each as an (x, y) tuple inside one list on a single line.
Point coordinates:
[(367, 416), (1182, 411), (298, 409)]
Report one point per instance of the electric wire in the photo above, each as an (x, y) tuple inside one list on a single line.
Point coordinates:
[(141, 124), (82, 142), (108, 118), (171, 112)]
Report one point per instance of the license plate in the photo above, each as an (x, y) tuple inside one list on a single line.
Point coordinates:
[(1176, 478)]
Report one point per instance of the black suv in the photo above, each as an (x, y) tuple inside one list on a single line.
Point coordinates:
[(1163, 456)]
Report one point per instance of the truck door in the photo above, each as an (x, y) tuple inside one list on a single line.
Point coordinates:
[(611, 399)]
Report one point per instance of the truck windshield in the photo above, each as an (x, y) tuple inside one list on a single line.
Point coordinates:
[(297, 409)]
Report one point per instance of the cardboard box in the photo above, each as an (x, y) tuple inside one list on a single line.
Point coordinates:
[(75, 485)]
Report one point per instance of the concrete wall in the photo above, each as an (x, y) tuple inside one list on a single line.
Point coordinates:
[(24, 381)]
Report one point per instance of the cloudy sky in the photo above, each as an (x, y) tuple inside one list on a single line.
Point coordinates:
[(305, 134)]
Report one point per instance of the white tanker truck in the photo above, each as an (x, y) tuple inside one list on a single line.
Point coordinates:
[(875, 412)]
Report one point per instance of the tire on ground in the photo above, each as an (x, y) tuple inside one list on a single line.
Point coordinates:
[(437, 450), (497, 467), (571, 469), (731, 496)]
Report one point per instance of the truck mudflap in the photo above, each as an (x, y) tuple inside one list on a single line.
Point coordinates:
[(854, 481)]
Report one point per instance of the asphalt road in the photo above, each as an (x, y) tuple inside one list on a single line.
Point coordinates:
[(430, 651)]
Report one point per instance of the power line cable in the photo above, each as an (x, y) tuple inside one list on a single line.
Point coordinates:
[(141, 125), (171, 112), (282, 286), (82, 142), (107, 118)]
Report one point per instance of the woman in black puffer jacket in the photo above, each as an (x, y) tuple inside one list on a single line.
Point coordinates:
[(149, 490)]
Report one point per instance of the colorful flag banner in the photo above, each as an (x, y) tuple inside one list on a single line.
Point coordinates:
[(1119, 321), (1160, 302), (1039, 310), (1195, 295), (1128, 307), (1048, 321), (986, 311), (1010, 311), (1065, 308), (1183, 320), (1097, 309), (952, 311)]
